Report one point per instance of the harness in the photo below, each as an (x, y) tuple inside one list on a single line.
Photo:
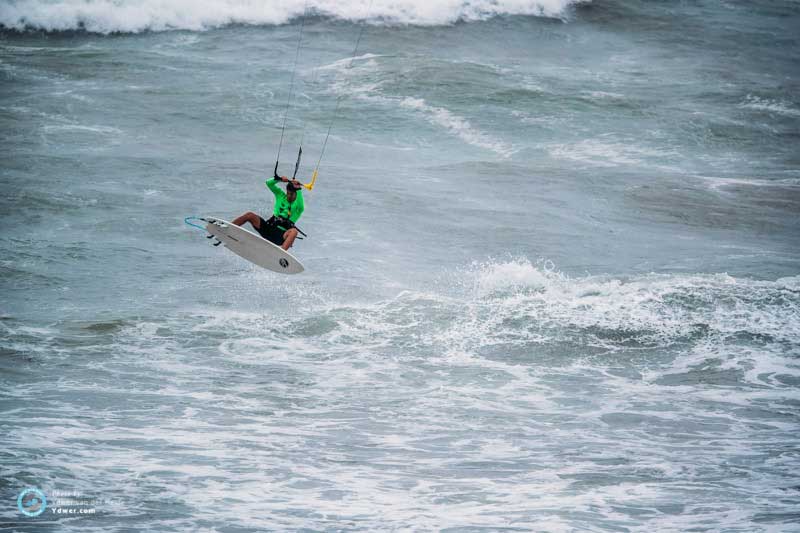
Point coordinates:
[(284, 224)]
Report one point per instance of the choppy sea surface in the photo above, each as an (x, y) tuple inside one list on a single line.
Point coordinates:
[(553, 273)]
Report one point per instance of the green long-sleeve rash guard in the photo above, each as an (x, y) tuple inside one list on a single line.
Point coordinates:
[(284, 208)]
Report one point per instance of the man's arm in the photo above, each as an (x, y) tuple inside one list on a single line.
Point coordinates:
[(273, 186)]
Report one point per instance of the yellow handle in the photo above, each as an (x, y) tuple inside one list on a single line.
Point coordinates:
[(310, 186)]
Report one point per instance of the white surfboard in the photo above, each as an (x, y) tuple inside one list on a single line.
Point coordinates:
[(252, 247)]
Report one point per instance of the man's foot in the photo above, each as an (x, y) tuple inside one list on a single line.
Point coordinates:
[(217, 243)]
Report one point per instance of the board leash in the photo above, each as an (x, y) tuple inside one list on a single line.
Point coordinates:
[(187, 219)]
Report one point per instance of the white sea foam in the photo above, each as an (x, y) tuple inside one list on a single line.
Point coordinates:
[(670, 304), (73, 95), (348, 62), (101, 130), (106, 16), (603, 95), (458, 126), (611, 153), (357, 413), (770, 106), (370, 91), (717, 183)]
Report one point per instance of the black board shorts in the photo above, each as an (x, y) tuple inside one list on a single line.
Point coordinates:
[(271, 232)]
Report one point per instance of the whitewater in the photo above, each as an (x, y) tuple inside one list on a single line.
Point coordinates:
[(107, 16), (552, 267)]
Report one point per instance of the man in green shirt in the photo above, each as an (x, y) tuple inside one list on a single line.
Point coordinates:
[(279, 229)]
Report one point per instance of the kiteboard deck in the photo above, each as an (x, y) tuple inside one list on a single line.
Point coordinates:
[(252, 247)]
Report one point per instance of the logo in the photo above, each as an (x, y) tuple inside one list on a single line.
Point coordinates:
[(31, 502), (283, 262)]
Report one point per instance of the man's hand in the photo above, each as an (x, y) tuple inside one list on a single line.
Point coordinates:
[(284, 179), (296, 184)]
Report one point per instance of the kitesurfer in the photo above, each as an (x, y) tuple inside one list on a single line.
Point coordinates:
[(280, 228)]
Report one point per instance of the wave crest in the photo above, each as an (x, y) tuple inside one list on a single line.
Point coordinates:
[(131, 16), (656, 308)]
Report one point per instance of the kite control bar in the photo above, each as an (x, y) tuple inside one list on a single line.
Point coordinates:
[(308, 186)]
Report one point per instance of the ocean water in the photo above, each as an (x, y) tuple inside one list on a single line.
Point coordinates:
[(553, 273)]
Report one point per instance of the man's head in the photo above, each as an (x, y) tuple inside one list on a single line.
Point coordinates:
[(291, 191)]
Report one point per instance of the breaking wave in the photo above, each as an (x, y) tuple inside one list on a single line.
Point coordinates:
[(124, 16)]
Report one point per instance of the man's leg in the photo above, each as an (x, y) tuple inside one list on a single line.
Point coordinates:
[(288, 238), (250, 217)]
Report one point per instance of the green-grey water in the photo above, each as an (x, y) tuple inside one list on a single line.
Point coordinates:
[(552, 268)]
